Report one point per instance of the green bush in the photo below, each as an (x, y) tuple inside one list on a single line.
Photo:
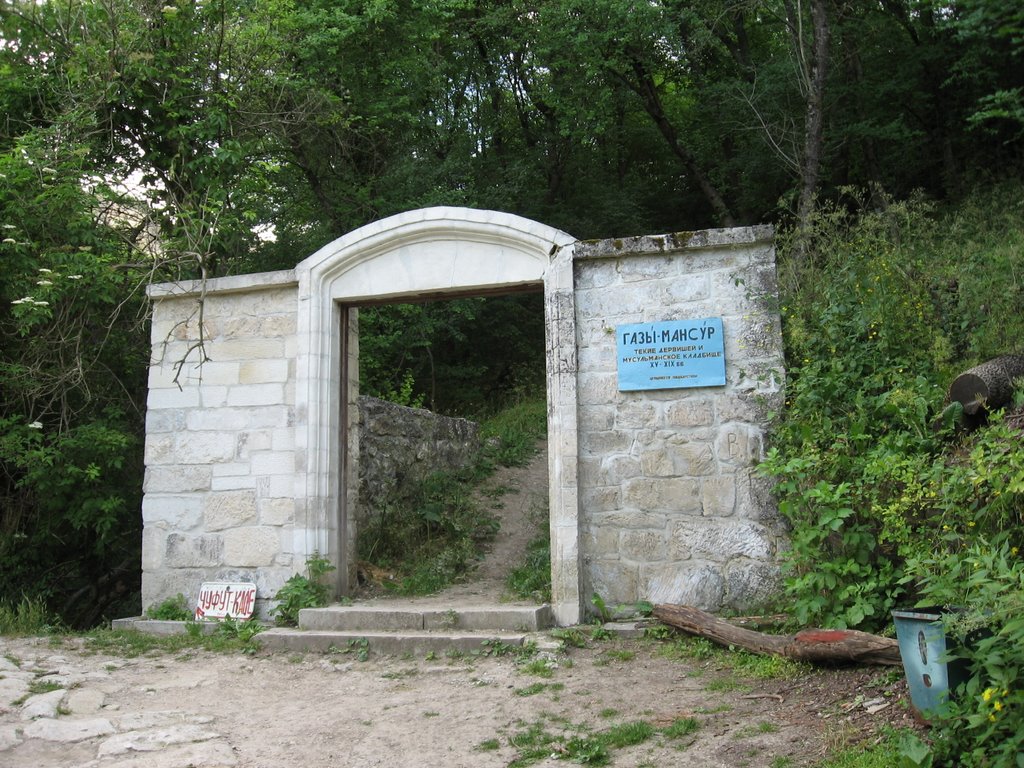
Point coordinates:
[(300, 591), (876, 323), (983, 724)]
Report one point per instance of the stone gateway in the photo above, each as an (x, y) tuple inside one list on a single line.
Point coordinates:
[(252, 444)]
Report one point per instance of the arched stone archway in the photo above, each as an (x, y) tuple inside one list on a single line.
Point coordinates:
[(432, 252), (653, 494)]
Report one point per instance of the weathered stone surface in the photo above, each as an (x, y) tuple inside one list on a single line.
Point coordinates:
[(643, 546), (689, 583), (179, 512), (8, 737), (154, 739), (42, 705), (678, 457), (206, 754), (690, 413), (251, 546), (68, 729), (710, 539), (276, 511), (185, 551), (84, 701), (739, 445), (177, 479), (229, 509), (12, 688), (672, 494), (751, 584), (399, 447), (613, 580), (718, 495)]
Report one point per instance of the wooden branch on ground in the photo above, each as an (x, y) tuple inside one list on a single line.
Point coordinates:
[(816, 646)]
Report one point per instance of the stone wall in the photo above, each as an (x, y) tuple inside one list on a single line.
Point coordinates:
[(399, 447), (670, 510), (252, 458), (220, 479)]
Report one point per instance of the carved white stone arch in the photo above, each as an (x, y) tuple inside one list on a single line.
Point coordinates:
[(434, 252)]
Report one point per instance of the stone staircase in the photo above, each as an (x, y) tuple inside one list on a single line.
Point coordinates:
[(394, 627)]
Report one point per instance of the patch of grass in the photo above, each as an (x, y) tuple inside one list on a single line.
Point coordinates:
[(538, 667), (40, 685), (781, 761), (680, 727), (532, 579), (172, 609), (488, 745), (627, 734), (860, 755), (231, 636), (535, 688), (725, 685), (28, 617), (571, 637), (615, 654), (608, 713)]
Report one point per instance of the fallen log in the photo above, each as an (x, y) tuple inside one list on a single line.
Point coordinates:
[(816, 646), (987, 386)]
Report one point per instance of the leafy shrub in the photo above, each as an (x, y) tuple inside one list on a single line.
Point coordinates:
[(172, 609), (983, 725), (875, 324), (303, 591)]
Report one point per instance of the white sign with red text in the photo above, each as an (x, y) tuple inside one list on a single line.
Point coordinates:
[(221, 600)]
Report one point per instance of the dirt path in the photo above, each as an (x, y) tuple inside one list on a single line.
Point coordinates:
[(281, 711)]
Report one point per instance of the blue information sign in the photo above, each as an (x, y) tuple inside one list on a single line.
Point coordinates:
[(671, 354)]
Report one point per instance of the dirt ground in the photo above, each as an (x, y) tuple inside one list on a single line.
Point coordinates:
[(282, 711), (197, 709)]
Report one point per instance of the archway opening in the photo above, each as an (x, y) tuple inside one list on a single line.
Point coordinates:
[(452, 451)]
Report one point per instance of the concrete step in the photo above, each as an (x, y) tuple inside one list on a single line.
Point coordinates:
[(405, 617), (417, 643)]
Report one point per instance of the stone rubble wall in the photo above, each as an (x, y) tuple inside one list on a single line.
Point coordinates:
[(670, 508), (220, 481), (399, 447)]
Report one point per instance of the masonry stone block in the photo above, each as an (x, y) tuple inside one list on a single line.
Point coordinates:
[(251, 546), (165, 420), (710, 538), (596, 274), (630, 519), (718, 495), (646, 268), (229, 509), (178, 512), (184, 551), (643, 546), (690, 413), (276, 511), (154, 544), (687, 288), (601, 499), (160, 449), (679, 457), (263, 371), (687, 583), (598, 388), (600, 542), (180, 478), (663, 494), (256, 395), (172, 397), (636, 414), (750, 584), (739, 445), (206, 447), (614, 580), (605, 442), (617, 469)]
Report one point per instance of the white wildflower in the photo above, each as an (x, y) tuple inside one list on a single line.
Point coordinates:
[(36, 425), (74, 277), (44, 282), (10, 240), (45, 271)]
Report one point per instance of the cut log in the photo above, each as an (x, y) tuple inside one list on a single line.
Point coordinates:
[(816, 646), (987, 386)]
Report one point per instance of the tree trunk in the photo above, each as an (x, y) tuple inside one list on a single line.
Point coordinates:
[(814, 119), (986, 386), (816, 646)]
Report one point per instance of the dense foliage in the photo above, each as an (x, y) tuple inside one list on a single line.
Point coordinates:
[(148, 140)]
